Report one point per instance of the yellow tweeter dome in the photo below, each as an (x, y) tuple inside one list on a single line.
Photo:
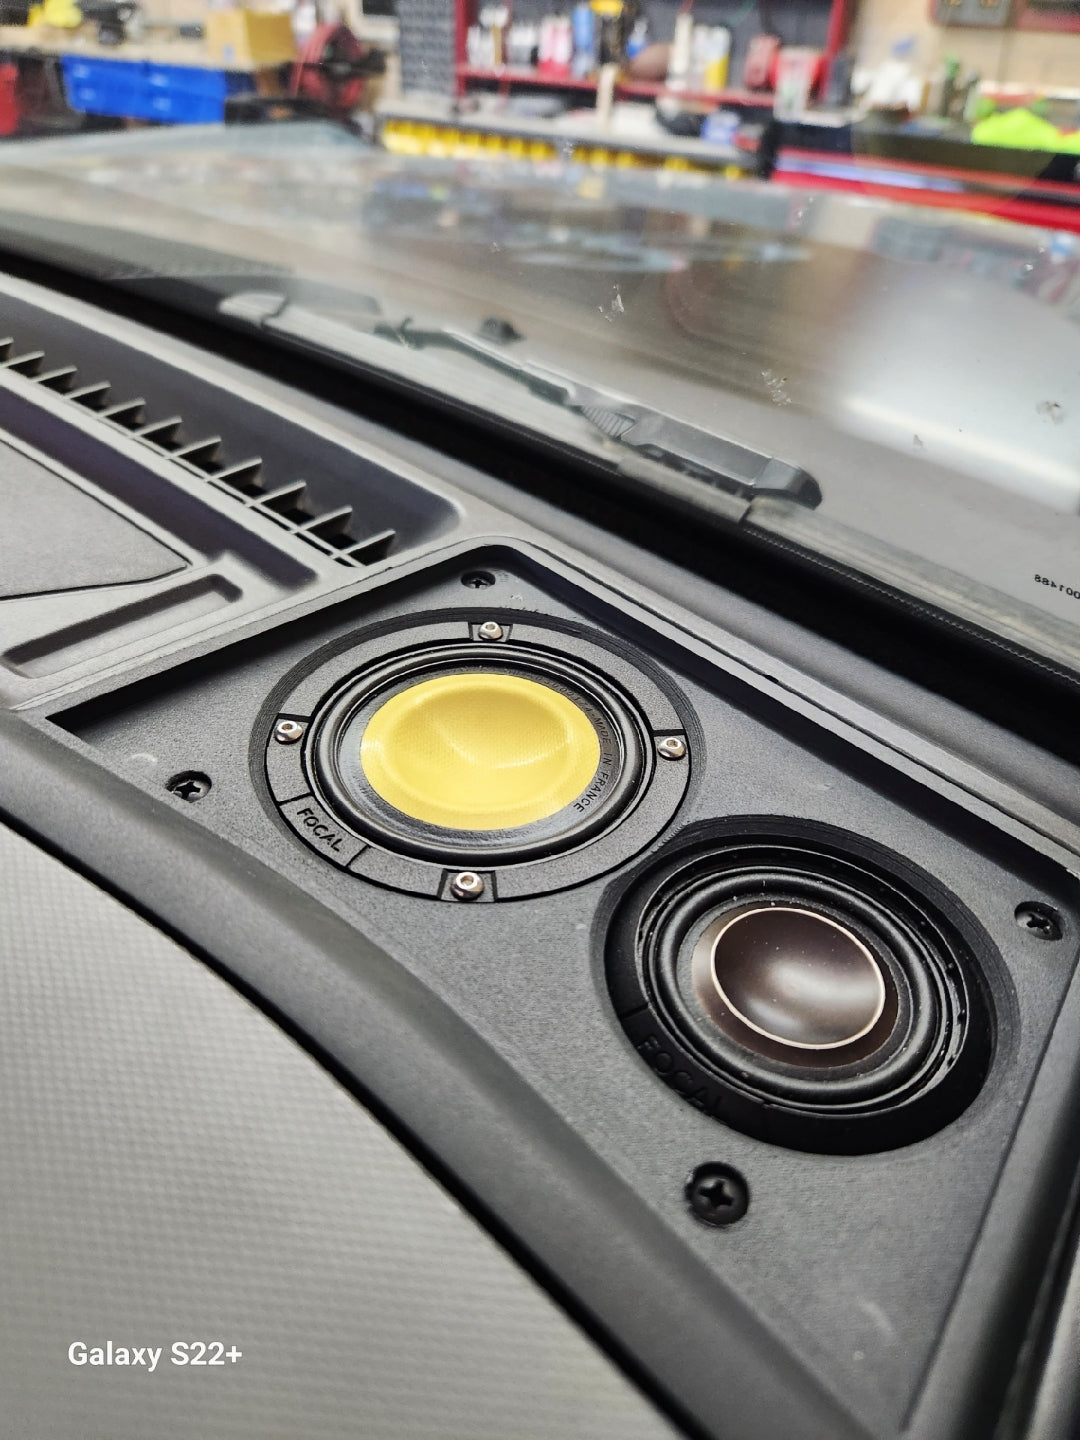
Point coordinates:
[(481, 751)]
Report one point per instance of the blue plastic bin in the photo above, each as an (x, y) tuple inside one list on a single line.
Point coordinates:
[(143, 90)]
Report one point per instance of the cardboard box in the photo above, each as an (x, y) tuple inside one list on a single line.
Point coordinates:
[(249, 37)]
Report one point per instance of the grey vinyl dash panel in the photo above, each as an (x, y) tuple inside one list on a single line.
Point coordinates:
[(54, 536), (175, 1168)]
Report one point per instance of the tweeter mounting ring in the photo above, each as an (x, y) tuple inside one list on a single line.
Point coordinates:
[(432, 749), (804, 987)]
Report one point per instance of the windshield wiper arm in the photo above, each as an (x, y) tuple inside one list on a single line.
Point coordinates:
[(646, 444)]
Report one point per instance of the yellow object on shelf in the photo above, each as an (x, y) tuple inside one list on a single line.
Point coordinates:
[(63, 14), (401, 135), (249, 37), (716, 73)]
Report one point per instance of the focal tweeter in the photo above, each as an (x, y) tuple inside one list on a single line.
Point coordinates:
[(804, 990), (523, 758), (466, 754)]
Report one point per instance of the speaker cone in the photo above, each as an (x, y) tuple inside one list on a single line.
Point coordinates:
[(784, 978), (479, 750), (804, 992), (471, 757)]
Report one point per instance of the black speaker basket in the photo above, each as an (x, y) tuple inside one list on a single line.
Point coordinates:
[(322, 794), (928, 1056)]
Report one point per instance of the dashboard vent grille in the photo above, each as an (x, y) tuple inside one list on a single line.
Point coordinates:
[(333, 531)]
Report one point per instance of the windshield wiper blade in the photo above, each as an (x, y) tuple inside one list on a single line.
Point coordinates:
[(645, 444), (652, 434)]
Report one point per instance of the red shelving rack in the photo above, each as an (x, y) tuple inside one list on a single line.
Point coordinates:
[(508, 76)]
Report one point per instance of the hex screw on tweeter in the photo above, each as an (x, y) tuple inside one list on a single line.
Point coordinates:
[(467, 885), (190, 786), (287, 732), (490, 630), (671, 747), (717, 1194), (1038, 919)]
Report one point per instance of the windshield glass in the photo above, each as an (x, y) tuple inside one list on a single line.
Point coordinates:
[(903, 351)]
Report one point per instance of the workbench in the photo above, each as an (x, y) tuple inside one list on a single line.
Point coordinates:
[(171, 81)]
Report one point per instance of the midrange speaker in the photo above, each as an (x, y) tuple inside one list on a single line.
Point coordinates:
[(524, 757), (804, 988)]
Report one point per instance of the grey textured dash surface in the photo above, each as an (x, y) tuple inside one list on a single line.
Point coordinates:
[(55, 536), (174, 1168)]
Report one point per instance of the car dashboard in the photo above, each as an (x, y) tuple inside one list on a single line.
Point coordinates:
[(496, 1127)]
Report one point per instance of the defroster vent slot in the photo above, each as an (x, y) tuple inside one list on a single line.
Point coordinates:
[(336, 531)]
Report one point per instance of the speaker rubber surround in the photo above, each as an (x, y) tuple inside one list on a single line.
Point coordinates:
[(324, 794), (920, 1064)]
